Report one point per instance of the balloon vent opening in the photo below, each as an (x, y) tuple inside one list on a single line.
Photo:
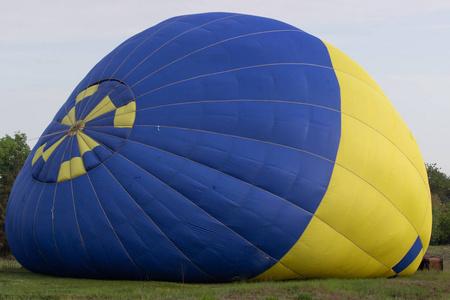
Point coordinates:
[(93, 125), (78, 126)]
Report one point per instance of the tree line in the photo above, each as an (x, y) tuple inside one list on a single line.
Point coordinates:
[(14, 150)]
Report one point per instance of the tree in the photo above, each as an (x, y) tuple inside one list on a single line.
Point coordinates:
[(439, 183), (440, 190), (13, 153)]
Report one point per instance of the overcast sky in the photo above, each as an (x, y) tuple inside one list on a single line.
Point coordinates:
[(48, 46)]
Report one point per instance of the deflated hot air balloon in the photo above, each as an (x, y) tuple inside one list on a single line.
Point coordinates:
[(217, 147)]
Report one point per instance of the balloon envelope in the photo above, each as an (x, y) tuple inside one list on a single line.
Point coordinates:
[(217, 147)]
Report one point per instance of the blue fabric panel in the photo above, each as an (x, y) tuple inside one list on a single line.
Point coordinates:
[(102, 245), (27, 232), (224, 197), (290, 84), (37, 167), (298, 177), (67, 234), (61, 153), (124, 243), (43, 231), (91, 160), (120, 94), (308, 186), (52, 138), (109, 135), (104, 120), (188, 226), (409, 257), (59, 128), (75, 149), (316, 130), (129, 232), (21, 188), (102, 152), (249, 160), (26, 184), (315, 57), (323, 87), (67, 152), (155, 250), (107, 142), (15, 208), (50, 170)]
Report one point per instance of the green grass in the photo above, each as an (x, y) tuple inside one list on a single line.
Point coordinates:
[(18, 283)]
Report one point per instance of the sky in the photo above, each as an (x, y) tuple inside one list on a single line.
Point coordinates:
[(48, 46)]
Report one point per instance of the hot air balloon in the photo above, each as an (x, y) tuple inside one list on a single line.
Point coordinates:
[(217, 147)]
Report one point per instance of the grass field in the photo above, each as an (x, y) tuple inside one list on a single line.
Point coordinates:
[(18, 283)]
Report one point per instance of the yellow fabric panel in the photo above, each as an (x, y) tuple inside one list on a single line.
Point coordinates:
[(323, 252), (375, 112), (82, 145), (425, 230), (102, 108), (77, 167), (125, 115), (69, 119), (342, 62), (377, 147), (368, 103), (375, 160), (277, 272), (389, 273), (369, 153), (52, 148), (64, 171), (38, 153), (366, 217), (86, 93), (71, 169), (85, 143)]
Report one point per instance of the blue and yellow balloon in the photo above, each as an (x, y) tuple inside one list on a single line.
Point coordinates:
[(217, 147)]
